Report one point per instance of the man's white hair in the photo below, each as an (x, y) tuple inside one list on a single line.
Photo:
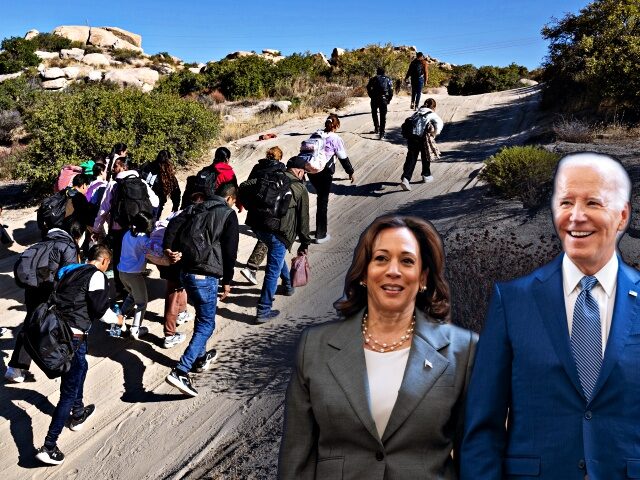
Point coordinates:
[(608, 167)]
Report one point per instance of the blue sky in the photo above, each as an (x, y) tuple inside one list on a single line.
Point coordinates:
[(491, 32)]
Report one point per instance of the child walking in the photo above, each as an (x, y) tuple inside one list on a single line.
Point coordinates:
[(135, 245)]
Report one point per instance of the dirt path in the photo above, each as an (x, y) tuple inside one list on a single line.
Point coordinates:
[(143, 428)]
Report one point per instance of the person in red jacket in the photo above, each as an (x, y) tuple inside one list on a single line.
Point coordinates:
[(224, 170)]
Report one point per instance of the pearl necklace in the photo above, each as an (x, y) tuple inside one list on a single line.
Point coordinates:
[(382, 347)]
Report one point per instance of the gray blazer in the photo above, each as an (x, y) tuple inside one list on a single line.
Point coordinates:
[(329, 432)]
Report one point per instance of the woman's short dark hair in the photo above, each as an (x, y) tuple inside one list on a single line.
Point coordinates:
[(435, 300), (98, 169), (80, 180), (142, 223), (118, 148), (430, 103), (222, 155), (99, 251)]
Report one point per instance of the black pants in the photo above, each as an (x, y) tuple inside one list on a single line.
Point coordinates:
[(416, 146), (33, 296), (322, 183), (379, 104), (115, 241)]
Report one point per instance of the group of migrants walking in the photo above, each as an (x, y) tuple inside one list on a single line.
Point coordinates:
[(105, 224)]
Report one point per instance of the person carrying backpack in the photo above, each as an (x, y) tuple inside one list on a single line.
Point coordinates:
[(98, 185), (123, 198), (380, 90), (419, 130), (278, 234), (208, 180), (35, 271), (160, 175), (81, 296), (322, 181), (204, 239), (418, 72)]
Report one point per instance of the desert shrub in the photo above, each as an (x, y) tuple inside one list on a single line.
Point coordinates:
[(469, 80), (91, 49), (17, 54), (217, 96), (183, 83), (68, 127), (250, 76), (49, 42), (330, 100), (438, 76), (125, 55), (9, 120), (362, 63), (163, 57), (573, 130), (301, 64), (593, 57), (359, 91), (521, 172), (17, 93)]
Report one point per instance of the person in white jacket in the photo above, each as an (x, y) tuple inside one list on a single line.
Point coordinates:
[(426, 122)]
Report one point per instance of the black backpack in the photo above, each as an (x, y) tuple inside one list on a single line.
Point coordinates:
[(269, 197), (407, 127), (32, 267), (381, 87), (194, 237), (52, 211), (131, 198), (203, 182)]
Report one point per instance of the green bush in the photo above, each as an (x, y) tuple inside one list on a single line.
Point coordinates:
[(183, 83), (17, 93), (469, 80), (68, 127), (163, 57), (245, 77), (49, 42), (437, 76), (362, 63), (125, 55), (17, 54), (521, 172)]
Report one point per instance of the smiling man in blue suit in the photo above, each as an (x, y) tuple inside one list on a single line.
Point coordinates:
[(555, 391)]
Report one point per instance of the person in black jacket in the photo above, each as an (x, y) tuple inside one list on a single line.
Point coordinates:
[(204, 238), (81, 297), (380, 90), (65, 251), (160, 175), (418, 72)]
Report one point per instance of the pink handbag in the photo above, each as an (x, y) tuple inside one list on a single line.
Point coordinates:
[(300, 271)]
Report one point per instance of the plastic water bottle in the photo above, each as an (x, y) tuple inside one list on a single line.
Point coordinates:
[(115, 330)]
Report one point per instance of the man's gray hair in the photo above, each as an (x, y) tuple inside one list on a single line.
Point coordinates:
[(607, 166)]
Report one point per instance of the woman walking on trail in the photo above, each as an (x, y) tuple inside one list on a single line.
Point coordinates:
[(322, 181), (426, 125), (381, 393), (161, 176)]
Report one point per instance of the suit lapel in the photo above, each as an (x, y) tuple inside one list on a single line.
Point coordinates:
[(549, 297), (419, 377), (350, 371), (624, 312)]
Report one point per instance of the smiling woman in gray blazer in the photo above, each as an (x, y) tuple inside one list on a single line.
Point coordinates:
[(380, 393)]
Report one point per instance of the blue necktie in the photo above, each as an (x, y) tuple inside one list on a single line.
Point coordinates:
[(586, 336)]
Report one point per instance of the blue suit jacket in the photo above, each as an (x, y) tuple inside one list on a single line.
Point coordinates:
[(525, 374)]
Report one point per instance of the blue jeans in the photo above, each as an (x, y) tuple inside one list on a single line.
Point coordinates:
[(276, 267), (202, 290), (71, 387), (416, 90)]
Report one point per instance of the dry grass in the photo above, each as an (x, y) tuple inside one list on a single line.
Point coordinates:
[(9, 160), (618, 131), (258, 123), (574, 131)]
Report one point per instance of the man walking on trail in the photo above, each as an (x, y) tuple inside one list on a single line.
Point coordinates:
[(204, 238), (380, 90), (81, 296), (418, 72)]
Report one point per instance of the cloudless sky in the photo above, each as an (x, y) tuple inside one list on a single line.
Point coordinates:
[(491, 32)]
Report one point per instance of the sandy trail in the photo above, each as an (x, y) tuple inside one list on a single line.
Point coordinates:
[(143, 428)]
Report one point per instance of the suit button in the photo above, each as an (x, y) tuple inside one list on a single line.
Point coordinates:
[(581, 464), (379, 456), (588, 415)]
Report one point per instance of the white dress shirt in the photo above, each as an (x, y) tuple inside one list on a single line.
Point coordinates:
[(384, 372), (604, 292)]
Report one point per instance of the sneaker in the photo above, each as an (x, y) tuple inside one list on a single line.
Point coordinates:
[(412, 106), (404, 183), (137, 332), (173, 340), (51, 457), (19, 375), (183, 317), (265, 317), (76, 423), (203, 363), (324, 239), (286, 290), (375, 130), (427, 179), (249, 275), (381, 136), (180, 380)]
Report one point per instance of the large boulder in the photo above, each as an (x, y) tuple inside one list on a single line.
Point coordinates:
[(239, 54), (197, 69), (102, 38), (94, 76), (51, 73), (46, 55), (281, 106), (321, 56), (72, 53), (55, 84), (129, 37), (74, 33), (271, 52), (75, 72), (9, 76), (133, 77), (96, 60), (31, 34)]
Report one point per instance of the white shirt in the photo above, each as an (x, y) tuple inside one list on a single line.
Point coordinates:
[(604, 292), (384, 372)]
